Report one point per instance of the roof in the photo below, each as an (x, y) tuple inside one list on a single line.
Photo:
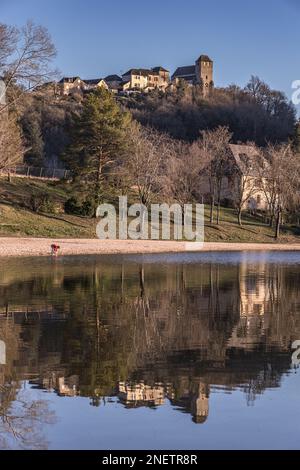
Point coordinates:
[(143, 72), (204, 58), (246, 158), (69, 79), (113, 78), (189, 70), (93, 81), (159, 69)]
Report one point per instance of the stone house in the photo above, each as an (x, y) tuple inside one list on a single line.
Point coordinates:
[(241, 171), (199, 74), (95, 83), (69, 85), (146, 79), (113, 82), (246, 162)]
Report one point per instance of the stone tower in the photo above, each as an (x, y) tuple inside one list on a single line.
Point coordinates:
[(205, 73)]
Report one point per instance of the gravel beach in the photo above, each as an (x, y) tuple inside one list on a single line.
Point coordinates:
[(14, 247)]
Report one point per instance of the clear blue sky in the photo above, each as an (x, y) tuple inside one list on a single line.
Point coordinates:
[(96, 37)]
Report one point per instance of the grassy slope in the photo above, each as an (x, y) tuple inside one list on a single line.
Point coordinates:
[(17, 220)]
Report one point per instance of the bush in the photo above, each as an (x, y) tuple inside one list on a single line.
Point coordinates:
[(74, 207), (42, 203), (48, 205), (87, 208)]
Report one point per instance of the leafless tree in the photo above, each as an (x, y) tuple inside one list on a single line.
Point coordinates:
[(183, 171), (281, 180), (148, 155), (25, 59), (215, 154), (246, 183), (22, 419)]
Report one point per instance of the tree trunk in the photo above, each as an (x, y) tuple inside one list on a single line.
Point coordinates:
[(212, 204), (240, 217), (278, 222), (218, 212), (98, 186)]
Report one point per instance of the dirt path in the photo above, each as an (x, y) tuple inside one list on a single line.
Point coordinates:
[(42, 247)]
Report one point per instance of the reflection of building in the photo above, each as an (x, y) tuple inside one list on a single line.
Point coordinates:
[(200, 404), (140, 394), (190, 328), (64, 387), (256, 294), (254, 290), (194, 400)]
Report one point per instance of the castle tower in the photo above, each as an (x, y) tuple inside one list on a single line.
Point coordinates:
[(205, 73), (200, 404)]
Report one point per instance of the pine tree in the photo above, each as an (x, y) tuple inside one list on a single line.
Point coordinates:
[(296, 140), (98, 141)]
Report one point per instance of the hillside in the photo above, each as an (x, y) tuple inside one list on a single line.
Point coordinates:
[(17, 218)]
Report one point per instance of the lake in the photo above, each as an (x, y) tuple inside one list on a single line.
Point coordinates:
[(190, 351)]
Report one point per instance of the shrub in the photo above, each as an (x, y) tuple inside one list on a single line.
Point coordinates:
[(42, 203), (72, 206), (87, 208)]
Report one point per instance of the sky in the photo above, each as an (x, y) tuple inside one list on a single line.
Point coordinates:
[(96, 38)]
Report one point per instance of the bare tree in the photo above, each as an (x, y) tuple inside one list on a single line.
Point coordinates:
[(215, 154), (25, 59), (182, 175), (267, 177), (281, 180), (149, 153), (246, 184), (22, 419)]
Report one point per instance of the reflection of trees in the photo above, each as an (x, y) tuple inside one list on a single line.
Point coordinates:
[(183, 326), (22, 419)]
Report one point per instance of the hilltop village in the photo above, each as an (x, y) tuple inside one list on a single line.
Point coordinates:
[(137, 80)]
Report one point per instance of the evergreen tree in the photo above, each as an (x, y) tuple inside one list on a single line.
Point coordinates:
[(31, 123), (296, 140), (98, 141)]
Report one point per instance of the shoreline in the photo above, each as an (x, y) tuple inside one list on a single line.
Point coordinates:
[(27, 247)]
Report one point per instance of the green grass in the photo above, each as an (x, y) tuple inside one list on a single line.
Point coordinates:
[(16, 219)]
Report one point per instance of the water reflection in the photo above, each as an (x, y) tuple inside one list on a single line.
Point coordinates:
[(140, 332)]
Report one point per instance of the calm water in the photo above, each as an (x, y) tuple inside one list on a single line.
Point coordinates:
[(150, 352)]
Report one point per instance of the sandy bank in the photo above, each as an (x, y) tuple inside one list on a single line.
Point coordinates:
[(41, 247)]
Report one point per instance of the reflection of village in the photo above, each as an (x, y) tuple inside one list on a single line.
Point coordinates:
[(151, 340)]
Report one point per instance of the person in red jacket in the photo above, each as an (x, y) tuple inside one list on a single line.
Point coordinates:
[(54, 249)]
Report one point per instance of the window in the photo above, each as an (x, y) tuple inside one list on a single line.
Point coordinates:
[(258, 199)]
